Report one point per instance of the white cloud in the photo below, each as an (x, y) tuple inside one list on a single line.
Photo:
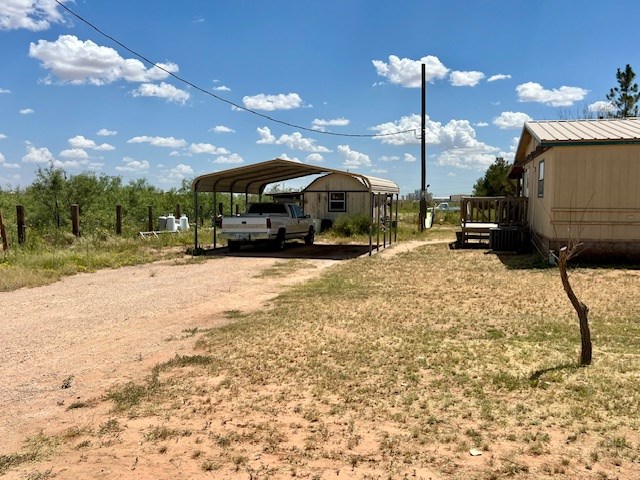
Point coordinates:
[(132, 165), (233, 158), (80, 142), (10, 165), (181, 171), (2, 136), (167, 142), (295, 141), (176, 153), (1, 158), (499, 76), (4, 90), (465, 79), (272, 102), (408, 73), (378, 170), (481, 124), (409, 158), (601, 107), (103, 132), (34, 15), (222, 129), (315, 158), (508, 120), (27, 111), (207, 148), (284, 156), (222, 88), (38, 155), (387, 158), (77, 62), (558, 97), (162, 90), (455, 140), (320, 124), (353, 158), (77, 153)]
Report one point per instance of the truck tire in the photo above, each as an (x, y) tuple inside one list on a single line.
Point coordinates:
[(233, 246), (281, 240), (310, 237)]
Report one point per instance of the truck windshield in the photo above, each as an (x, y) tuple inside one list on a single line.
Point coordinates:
[(267, 208)]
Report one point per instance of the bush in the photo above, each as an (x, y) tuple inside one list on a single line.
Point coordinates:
[(352, 225)]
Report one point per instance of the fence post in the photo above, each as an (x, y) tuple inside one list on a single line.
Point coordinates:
[(3, 234), (75, 220), (118, 219), (21, 224), (150, 219)]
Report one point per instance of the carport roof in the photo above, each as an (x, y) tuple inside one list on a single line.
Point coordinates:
[(254, 178)]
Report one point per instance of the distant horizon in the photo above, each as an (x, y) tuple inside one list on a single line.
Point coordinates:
[(77, 100)]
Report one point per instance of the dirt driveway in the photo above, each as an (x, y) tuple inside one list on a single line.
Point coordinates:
[(91, 331)]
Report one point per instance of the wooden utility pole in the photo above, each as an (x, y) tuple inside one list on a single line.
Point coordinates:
[(423, 149), (178, 211)]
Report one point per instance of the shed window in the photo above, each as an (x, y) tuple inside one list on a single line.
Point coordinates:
[(337, 201), (541, 179)]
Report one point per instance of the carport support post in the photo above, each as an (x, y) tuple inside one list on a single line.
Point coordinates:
[(371, 225), (195, 212), (395, 230), (378, 232), (386, 227), (215, 220)]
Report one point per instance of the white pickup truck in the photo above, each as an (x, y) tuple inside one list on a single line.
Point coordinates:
[(267, 222)]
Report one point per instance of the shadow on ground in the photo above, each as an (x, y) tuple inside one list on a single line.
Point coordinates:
[(295, 250)]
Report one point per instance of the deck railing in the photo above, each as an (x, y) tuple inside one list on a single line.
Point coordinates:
[(499, 210)]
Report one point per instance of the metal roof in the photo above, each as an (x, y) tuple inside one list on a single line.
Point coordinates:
[(255, 178), (552, 133)]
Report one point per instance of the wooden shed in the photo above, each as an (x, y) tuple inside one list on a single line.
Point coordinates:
[(338, 194), (581, 179)]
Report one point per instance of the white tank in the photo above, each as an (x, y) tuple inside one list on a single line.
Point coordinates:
[(184, 222), (171, 223), (162, 223)]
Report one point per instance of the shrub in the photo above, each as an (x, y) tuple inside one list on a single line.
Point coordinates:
[(352, 225)]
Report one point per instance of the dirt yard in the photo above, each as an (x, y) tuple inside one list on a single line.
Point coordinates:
[(73, 340)]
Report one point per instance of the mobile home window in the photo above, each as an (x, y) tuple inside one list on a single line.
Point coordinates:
[(541, 179), (337, 201)]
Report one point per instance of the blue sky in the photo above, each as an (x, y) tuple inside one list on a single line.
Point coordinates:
[(75, 99)]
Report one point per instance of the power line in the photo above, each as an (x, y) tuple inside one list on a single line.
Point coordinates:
[(218, 97)]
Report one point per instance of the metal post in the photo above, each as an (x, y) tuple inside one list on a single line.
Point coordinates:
[(371, 224), (386, 227), (395, 231), (231, 204), (195, 230), (378, 233), (215, 220)]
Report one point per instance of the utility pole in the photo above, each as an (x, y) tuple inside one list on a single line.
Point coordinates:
[(423, 185)]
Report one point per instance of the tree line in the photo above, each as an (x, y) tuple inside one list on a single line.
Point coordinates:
[(48, 200)]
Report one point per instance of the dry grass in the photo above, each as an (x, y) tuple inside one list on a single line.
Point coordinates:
[(393, 367)]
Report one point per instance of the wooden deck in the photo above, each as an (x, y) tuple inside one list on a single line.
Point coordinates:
[(479, 216)]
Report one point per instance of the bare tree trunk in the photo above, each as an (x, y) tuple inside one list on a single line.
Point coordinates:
[(581, 309)]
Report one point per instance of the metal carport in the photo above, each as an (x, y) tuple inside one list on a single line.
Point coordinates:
[(253, 179)]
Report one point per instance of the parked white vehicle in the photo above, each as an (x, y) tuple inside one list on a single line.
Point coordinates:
[(267, 222), (445, 207)]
